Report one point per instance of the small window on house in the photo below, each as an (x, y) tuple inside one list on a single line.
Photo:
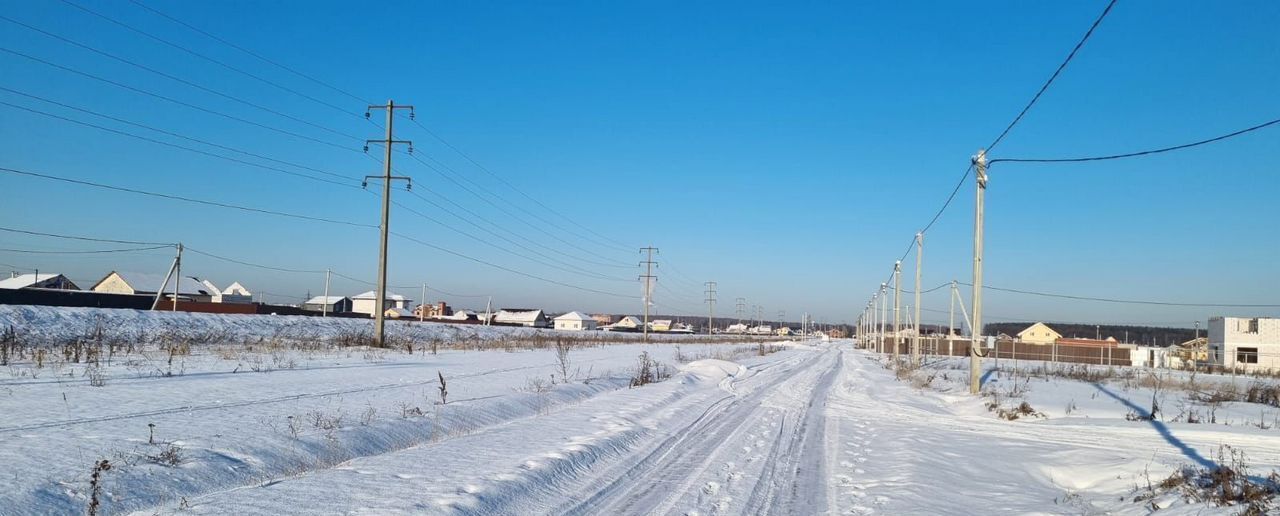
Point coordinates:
[(1247, 355), (1253, 325)]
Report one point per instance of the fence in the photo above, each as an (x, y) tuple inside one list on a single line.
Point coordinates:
[(1013, 350)]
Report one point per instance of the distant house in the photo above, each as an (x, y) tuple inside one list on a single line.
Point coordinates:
[(1247, 343), (37, 280), (782, 332), (331, 304), (398, 313), (236, 293), (575, 321), (602, 319), (660, 325), (628, 323), (1039, 333), (736, 328), (365, 303), (439, 310), (530, 317), (146, 284)]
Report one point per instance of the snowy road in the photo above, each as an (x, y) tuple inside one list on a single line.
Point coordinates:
[(813, 430)]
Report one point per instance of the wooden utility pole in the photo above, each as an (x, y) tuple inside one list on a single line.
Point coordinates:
[(648, 278), (975, 358), (386, 177)]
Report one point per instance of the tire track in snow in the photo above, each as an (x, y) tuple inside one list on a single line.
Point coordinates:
[(687, 456)]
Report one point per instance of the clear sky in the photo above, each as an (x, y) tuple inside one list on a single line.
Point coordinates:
[(787, 151)]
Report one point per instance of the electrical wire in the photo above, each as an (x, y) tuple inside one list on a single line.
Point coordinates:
[(170, 133), (175, 78), (83, 238), (183, 199), (176, 101), (176, 146), (1053, 77), (509, 213), (1123, 301), (247, 51), (1140, 153), (92, 251), (250, 264), (616, 244), (207, 58)]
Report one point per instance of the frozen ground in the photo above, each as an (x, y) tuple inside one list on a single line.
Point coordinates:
[(815, 428)]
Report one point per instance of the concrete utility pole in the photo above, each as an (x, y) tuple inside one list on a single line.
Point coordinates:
[(897, 309), (177, 260), (177, 280), (975, 358), (884, 315), (324, 307), (648, 278), (951, 317), (915, 343), (711, 305), (422, 306), (386, 177)]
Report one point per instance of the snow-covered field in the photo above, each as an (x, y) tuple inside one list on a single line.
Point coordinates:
[(264, 425)]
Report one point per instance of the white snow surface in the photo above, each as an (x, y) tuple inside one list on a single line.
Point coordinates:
[(816, 428)]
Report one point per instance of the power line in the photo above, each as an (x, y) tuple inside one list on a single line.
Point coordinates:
[(175, 78), (170, 133), (247, 51), (92, 251), (613, 243), (250, 264), (314, 219), (176, 101), (176, 146), (1140, 153), (1124, 301), (83, 238), (1056, 72), (509, 213), (207, 58), (183, 199), (495, 225), (508, 269)]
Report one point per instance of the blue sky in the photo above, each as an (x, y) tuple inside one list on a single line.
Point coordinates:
[(789, 152)]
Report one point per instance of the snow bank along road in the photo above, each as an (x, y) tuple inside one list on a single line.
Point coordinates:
[(813, 429)]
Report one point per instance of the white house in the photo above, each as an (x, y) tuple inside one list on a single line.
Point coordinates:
[(1148, 356), (236, 293), (736, 328), (365, 303), (628, 323), (575, 321), (1251, 344), (146, 284), (37, 280), (660, 325), (531, 317)]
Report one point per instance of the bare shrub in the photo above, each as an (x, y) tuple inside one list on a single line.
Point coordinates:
[(1228, 484), (170, 455), (563, 347), (648, 371), (95, 485), (369, 415), (444, 389), (97, 377)]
